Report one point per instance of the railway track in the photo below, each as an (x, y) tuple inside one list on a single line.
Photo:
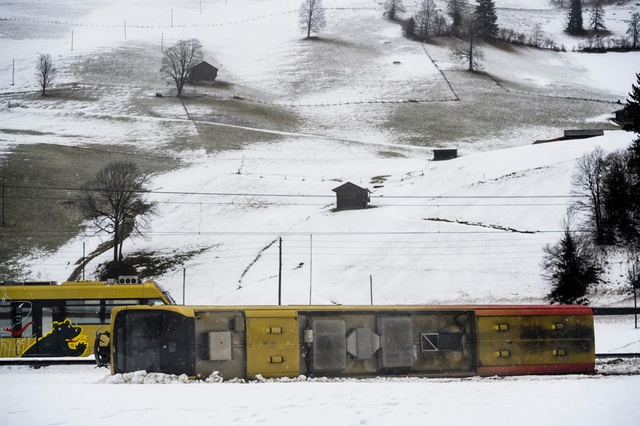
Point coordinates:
[(618, 355)]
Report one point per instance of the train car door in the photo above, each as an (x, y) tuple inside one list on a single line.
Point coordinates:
[(273, 348)]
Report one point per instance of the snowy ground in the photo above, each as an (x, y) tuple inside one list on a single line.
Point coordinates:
[(430, 239), (76, 395), (71, 395)]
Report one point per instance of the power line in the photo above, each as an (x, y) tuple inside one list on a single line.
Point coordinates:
[(283, 195)]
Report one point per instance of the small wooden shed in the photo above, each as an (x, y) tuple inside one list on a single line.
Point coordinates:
[(203, 72), (624, 118), (350, 196), (444, 154), (582, 134)]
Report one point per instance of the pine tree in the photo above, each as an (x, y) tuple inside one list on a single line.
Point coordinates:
[(486, 19), (570, 266), (574, 24), (634, 30), (456, 9), (597, 17), (616, 197), (632, 106)]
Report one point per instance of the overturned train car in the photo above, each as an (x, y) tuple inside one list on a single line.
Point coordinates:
[(354, 341)]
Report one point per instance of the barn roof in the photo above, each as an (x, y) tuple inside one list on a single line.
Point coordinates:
[(349, 187), (204, 64)]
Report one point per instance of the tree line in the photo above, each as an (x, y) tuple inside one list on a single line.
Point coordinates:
[(470, 25), (607, 187)]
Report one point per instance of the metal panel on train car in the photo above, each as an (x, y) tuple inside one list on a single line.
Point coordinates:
[(329, 346), (273, 348), (519, 344), (397, 341), (221, 343)]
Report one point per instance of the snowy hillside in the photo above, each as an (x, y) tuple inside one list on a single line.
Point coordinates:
[(254, 158), (317, 114)]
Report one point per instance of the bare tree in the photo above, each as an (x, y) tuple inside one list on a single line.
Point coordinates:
[(178, 60), (425, 19), (114, 201), (467, 50), (311, 17), (45, 72), (393, 8), (536, 35), (634, 30), (588, 186)]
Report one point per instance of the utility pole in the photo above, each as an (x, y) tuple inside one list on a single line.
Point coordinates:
[(310, 265), (125, 30), (184, 283), (13, 73), (280, 274), (3, 202), (371, 288), (636, 284)]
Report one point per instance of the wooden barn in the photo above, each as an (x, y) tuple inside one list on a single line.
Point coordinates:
[(444, 154), (582, 134), (624, 118), (203, 72), (351, 197)]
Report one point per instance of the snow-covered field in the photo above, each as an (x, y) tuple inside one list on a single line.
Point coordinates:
[(469, 230), (68, 395)]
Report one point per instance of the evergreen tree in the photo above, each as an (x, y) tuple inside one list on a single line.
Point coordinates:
[(457, 9), (617, 199), (486, 19), (632, 106), (574, 24), (597, 17), (633, 166), (634, 30), (570, 266), (409, 28)]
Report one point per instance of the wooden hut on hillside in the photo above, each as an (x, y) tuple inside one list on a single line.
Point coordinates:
[(350, 196), (445, 154), (203, 72)]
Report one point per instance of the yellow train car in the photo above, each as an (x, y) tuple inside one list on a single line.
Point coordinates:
[(354, 341), (44, 319)]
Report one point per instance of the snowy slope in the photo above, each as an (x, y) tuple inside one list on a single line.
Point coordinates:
[(470, 230), (413, 246)]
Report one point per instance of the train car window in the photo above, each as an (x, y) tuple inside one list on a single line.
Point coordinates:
[(151, 302), (6, 325), (114, 303), (121, 302), (47, 319), (23, 322), (154, 341), (83, 311)]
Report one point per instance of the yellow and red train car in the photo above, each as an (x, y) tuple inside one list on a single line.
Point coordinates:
[(49, 320), (354, 341)]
